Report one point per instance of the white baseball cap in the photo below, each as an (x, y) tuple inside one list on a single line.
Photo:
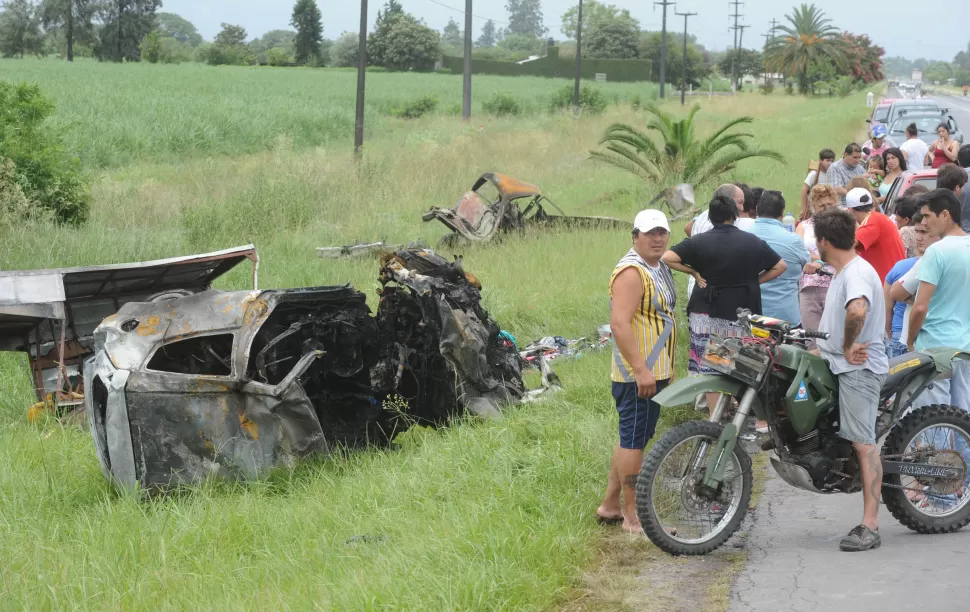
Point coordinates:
[(650, 219), (858, 197)]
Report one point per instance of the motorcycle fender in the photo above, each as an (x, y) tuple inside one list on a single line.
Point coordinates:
[(686, 390)]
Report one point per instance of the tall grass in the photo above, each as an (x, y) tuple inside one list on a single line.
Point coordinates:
[(114, 115), (491, 515)]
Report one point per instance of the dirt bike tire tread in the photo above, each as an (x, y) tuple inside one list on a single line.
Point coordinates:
[(895, 499), (651, 462)]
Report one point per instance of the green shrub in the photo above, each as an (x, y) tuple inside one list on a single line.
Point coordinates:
[(416, 108), (14, 205), (844, 86), (591, 100), (789, 89), (49, 178), (277, 56), (151, 48), (502, 104), (228, 55), (174, 52), (766, 88)]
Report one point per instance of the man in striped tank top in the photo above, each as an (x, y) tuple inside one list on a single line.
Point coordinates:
[(642, 300)]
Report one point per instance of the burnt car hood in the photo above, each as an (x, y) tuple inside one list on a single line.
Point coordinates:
[(233, 384)]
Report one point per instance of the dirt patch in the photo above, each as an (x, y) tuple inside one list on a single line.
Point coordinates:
[(631, 574)]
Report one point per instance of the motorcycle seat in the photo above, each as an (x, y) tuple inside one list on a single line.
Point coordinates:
[(902, 368)]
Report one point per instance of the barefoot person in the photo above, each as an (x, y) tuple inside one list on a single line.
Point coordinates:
[(855, 319), (642, 300)]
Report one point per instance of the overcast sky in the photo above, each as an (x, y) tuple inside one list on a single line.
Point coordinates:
[(903, 27)]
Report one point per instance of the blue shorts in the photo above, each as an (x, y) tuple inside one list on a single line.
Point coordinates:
[(638, 416)]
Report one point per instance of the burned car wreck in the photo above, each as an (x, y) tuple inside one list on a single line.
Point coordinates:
[(232, 384), (498, 203)]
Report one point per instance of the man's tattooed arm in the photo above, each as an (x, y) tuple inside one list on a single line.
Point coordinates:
[(855, 318)]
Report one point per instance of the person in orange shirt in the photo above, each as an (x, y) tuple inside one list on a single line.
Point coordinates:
[(877, 237)]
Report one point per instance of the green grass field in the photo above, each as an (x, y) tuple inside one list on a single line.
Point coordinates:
[(479, 516)]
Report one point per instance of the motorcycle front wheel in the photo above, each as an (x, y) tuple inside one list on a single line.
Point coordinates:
[(676, 514), (938, 435)]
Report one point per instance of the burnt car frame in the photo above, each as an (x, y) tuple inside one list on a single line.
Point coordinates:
[(233, 384), (50, 315), (498, 203)]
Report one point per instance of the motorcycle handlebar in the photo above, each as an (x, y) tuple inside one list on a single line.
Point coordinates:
[(816, 334)]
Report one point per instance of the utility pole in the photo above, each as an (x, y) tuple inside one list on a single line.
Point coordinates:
[(663, 45), (579, 58), (361, 70), (466, 101), (734, 56), (769, 36), (683, 72), (737, 53)]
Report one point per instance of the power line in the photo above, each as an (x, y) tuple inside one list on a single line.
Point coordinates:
[(663, 45), (736, 15), (462, 11), (769, 36), (683, 73)]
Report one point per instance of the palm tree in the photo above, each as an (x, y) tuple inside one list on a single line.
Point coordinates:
[(809, 37), (679, 157)]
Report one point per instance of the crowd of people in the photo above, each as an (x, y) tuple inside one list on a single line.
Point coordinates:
[(880, 286)]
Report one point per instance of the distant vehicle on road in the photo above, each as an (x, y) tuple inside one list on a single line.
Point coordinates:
[(926, 123), (926, 178)]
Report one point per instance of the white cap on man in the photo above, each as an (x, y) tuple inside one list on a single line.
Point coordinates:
[(858, 197), (650, 219)]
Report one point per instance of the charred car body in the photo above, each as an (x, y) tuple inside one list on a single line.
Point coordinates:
[(498, 203), (50, 315), (232, 384)]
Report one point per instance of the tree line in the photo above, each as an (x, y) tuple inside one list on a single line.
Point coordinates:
[(134, 30), (807, 48), (957, 71)]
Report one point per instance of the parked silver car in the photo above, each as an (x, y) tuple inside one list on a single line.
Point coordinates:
[(927, 124)]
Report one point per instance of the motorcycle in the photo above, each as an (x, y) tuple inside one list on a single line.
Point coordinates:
[(694, 486)]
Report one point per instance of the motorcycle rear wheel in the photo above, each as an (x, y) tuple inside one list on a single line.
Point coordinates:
[(671, 510), (938, 511)]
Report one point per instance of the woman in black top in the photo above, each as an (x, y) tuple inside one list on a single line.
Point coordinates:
[(729, 266)]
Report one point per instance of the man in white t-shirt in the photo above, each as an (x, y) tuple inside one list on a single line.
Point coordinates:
[(914, 149)]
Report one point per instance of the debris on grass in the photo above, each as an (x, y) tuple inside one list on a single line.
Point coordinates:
[(498, 204)]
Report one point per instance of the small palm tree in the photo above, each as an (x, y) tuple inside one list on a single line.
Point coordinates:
[(809, 37), (679, 157)]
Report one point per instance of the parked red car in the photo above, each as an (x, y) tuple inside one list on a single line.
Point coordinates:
[(925, 177)]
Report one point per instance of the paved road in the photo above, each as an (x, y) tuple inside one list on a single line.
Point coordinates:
[(794, 562), (959, 108)]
